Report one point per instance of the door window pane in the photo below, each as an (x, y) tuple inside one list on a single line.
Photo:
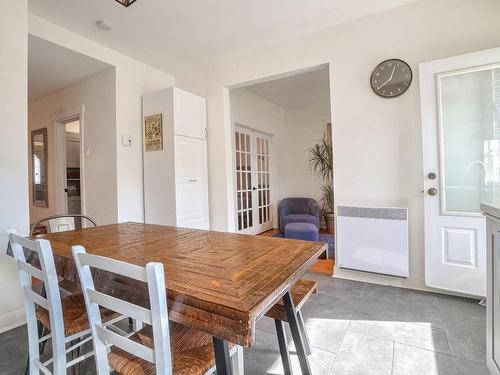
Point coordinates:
[(237, 141), (470, 105)]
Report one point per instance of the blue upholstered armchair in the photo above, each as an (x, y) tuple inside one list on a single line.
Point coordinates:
[(298, 210)]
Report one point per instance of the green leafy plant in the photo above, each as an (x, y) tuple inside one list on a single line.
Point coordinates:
[(321, 161)]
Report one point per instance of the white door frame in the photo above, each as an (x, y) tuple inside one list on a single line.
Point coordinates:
[(60, 144), (430, 73), (256, 228), (228, 132)]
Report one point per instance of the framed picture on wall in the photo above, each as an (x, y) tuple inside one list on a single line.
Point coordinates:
[(153, 133)]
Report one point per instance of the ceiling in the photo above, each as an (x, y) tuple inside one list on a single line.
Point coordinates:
[(171, 33), (52, 67), (299, 91)]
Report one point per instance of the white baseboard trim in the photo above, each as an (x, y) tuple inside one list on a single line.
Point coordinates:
[(408, 283), (12, 319)]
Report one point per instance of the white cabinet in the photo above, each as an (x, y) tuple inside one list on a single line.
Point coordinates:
[(176, 178), (190, 114), (493, 289)]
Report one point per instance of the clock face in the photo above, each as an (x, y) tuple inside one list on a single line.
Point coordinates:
[(391, 78)]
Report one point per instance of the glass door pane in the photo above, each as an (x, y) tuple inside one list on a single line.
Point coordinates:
[(263, 176), (243, 180), (470, 139)]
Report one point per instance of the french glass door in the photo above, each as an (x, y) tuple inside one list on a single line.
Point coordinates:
[(252, 151)]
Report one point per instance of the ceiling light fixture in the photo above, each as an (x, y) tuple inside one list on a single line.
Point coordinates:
[(126, 3)]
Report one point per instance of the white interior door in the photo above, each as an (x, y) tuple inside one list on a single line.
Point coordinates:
[(460, 98), (252, 151)]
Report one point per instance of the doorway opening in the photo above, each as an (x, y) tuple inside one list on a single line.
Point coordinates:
[(278, 127), (61, 84)]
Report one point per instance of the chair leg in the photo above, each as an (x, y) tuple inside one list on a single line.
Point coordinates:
[(137, 325), (240, 365), (41, 330), (27, 369), (302, 327), (75, 354), (45, 331), (285, 354)]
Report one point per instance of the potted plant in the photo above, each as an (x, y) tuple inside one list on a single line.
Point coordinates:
[(321, 160)]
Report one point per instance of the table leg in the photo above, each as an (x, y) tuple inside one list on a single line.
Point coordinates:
[(285, 354), (222, 358), (291, 314), (305, 337)]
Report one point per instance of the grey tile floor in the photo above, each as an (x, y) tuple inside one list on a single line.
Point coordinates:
[(355, 328)]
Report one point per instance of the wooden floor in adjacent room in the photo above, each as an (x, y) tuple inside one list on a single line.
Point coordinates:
[(323, 266)]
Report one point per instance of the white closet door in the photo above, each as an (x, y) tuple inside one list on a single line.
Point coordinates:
[(191, 186)]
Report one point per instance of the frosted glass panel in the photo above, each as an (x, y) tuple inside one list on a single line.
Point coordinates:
[(470, 139)]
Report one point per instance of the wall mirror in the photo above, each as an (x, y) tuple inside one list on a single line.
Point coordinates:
[(39, 154)]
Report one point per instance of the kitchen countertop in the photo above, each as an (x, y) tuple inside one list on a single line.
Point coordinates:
[(491, 210)]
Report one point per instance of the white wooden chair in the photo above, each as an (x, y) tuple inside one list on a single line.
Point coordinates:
[(49, 304), (162, 347)]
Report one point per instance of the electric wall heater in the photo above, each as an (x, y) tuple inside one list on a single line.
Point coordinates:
[(373, 240)]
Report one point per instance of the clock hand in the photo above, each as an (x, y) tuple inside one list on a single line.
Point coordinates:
[(392, 73), (390, 78)]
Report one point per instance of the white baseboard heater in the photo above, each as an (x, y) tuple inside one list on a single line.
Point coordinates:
[(373, 240)]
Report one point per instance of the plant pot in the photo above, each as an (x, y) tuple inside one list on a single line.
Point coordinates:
[(330, 222)]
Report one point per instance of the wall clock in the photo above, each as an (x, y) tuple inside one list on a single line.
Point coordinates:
[(391, 78)]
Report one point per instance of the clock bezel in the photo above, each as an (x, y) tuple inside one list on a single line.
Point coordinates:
[(399, 93)]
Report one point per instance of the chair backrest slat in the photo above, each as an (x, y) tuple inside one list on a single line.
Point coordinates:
[(123, 307), (36, 298), (114, 266), (157, 317), (126, 344), (32, 271)]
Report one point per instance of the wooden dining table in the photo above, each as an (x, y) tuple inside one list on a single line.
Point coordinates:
[(219, 283)]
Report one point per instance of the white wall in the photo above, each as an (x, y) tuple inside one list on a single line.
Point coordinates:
[(13, 149), (304, 127), (254, 112), (376, 141), (133, 78), (97, 94)]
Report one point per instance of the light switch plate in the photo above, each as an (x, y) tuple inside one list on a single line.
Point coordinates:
[(126, 140)]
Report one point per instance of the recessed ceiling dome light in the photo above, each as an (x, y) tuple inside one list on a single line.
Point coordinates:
[(104, 24)]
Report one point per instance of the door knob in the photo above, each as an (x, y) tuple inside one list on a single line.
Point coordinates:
[(254, 188), (432, 191), (431, 176)]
